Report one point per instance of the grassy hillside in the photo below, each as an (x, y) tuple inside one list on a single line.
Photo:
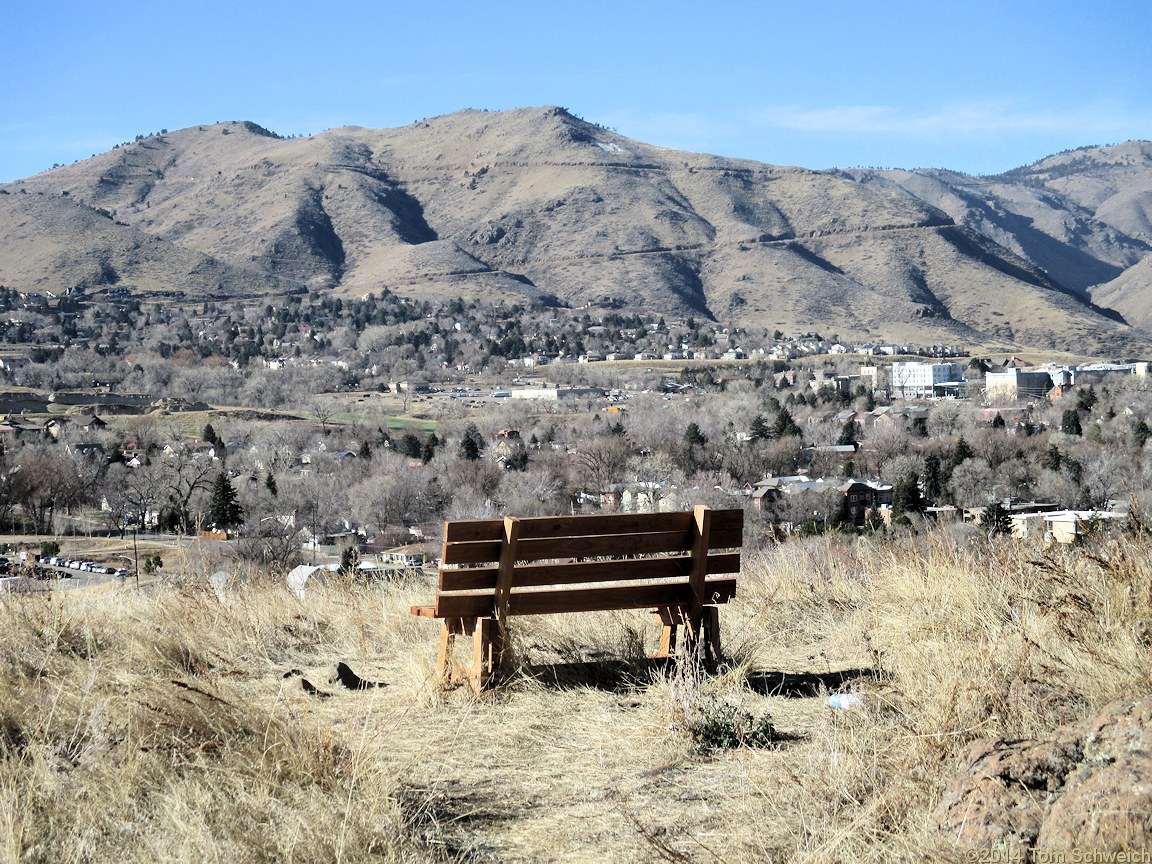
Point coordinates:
[(173, 725), (535, 204)]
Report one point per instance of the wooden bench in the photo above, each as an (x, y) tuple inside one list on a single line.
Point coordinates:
[(493, 569)]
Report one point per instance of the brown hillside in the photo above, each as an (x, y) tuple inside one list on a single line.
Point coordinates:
[(1130, 294), (535, 204), (50, 243)]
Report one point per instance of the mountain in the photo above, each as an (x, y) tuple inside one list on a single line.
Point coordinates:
[(536, 205), (1082, 216)]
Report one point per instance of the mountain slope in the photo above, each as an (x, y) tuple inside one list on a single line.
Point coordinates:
[(535, 204), (55, 244), (1130, 293), (1083, 217)]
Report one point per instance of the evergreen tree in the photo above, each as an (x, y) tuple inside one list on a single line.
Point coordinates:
[(960, 452), (785, 426), (996, 520), (1140, 433), (759, 430), (349, 558), (471, 443), (933, 477), (1070, 422), (906, 497), (848, 433), (1052, 458), (410, 446), (1085, 399), (209, 435), (365, 451), (270, 484), (693, 437), (998, 421), (225, 511)]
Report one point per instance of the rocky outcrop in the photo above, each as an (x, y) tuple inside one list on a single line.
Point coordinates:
[(1087, 786)]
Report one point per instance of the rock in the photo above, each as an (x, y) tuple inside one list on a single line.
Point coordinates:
[(1003, 794), (1105, 808), (1088, 785)]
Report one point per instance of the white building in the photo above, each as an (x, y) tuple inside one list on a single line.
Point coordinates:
[(1013, 384), (918, 380)]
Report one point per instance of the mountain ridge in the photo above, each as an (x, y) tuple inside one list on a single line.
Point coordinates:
[(537, 205)]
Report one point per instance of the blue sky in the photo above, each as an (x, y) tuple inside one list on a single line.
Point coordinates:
[(980, 87)]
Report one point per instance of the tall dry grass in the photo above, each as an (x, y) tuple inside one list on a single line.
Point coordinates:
[(160, 726), (157, 727)]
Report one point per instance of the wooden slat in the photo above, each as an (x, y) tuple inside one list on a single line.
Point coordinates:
[(598, 599), (483, 552), (584, 572), (473, 529), (536, 527), (616, 523), (613, 544)]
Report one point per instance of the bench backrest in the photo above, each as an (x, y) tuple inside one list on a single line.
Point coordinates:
[(545, 565)]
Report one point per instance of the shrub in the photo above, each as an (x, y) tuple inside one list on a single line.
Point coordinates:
[(719, 725)]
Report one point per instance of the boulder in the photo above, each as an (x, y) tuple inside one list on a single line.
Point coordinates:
[(1088, 785)]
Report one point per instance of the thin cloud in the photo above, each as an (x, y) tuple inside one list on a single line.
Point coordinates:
[(677, 130), (981, 118)]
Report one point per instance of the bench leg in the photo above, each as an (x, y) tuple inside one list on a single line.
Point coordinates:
[(669, 623), (485, 653), (710, 638), (702, 639), (447, 670), (444, 656)]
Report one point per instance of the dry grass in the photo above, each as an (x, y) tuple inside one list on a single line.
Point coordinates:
[(161, 727)]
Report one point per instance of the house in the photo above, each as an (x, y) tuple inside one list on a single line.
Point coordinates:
[(809, 455), (1062, 526), (410, 555), (771, 488), (862, 497), (903, 416), (14, 428)]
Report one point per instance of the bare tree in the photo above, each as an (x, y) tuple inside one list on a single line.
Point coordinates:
[(535, 492), (183, 475), (47, 481), (603, 461)]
